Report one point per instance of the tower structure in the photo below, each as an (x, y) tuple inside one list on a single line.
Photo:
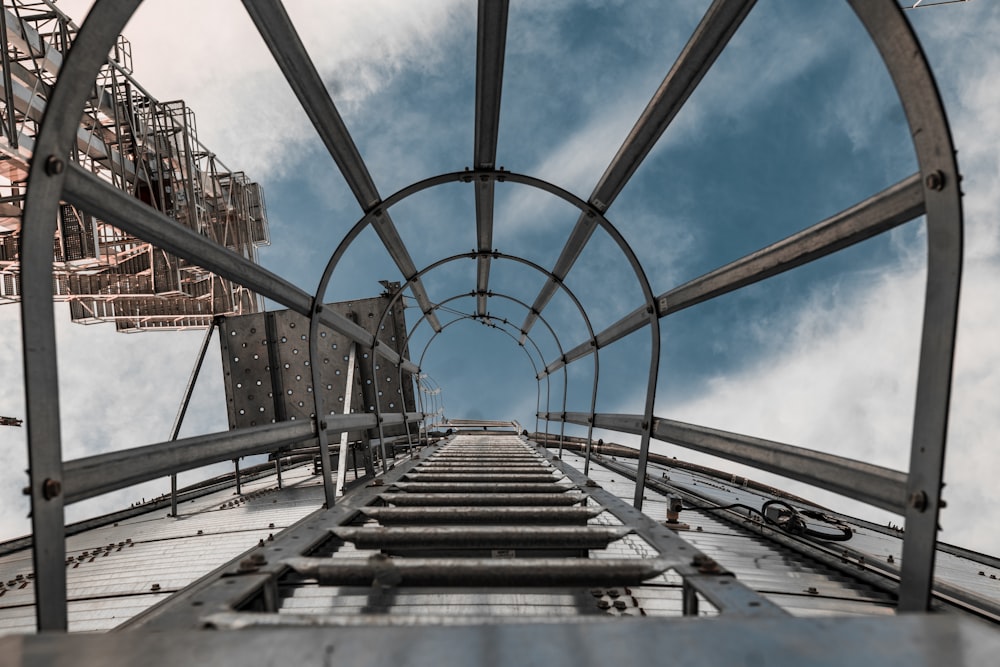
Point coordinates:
[(145, 148), (480, 540)]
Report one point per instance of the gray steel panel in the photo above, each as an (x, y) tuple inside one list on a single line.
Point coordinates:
[(109, 586), (765, 567), (906, 641)]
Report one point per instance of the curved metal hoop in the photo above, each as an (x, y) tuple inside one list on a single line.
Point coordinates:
[(320, 409)]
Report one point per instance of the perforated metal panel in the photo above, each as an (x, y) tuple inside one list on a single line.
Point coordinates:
[(267, 372)]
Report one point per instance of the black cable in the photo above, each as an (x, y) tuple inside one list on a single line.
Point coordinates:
[(790, 520)]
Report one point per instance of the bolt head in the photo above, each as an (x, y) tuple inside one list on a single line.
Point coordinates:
[(918, 501), (51, 488), (54, 166), (935, 180)]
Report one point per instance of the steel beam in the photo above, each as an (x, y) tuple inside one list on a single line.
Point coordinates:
[(881, 212), (275, 27), (875, 485), (116, 207), (490, 45), (101, 473), (706, 43)]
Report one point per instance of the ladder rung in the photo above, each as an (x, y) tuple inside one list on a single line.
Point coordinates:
[(541, 476), (482, 537), (482, 487), (389, 516), (386, 571), (483, 499)]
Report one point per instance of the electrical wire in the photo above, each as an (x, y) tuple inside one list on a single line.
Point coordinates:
[(790, 520)]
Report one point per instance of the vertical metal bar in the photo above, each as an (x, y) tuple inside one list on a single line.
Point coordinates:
[(329, 490), (348, 395), (903, 56), (185, 402), (47, 177), (689, 597), (277, 468), (8, 92), (562, 420), (239, 486), (593, 413)]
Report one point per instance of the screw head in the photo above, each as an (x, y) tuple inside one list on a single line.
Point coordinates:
[(918, 501), (54, 166), (935, 180), (51, 488)]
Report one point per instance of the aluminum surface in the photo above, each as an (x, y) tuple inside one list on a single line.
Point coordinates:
[(114, 568)]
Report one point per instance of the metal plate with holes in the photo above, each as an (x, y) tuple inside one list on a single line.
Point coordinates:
[(267, 371)]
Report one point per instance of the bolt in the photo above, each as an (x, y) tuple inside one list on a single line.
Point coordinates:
[(918, 501), (51, 488), (603, 604), (54, 166), (935, 180), (154, 587), (620, 605)]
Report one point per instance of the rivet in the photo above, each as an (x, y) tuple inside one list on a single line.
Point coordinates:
[(54, 166), (51, 488), (935, 180), (154, 587), (918, 501)]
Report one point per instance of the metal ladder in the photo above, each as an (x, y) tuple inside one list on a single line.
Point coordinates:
[(481, 511)]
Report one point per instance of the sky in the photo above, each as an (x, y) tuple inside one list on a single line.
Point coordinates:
[(796, 121)]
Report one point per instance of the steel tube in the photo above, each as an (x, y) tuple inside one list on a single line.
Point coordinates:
[(481, 515), (482, 571), (482, 537), (490, 42), (481, 499), (93, 475), (875, 485), (704, 46), (881, 212), (277, 31)]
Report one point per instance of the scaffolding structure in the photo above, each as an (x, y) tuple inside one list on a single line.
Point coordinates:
[(142, 146)]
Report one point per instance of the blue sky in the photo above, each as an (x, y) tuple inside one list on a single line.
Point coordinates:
[(795, 122)]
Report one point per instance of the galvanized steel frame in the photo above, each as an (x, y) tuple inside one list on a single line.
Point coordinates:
[(933, 191)]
